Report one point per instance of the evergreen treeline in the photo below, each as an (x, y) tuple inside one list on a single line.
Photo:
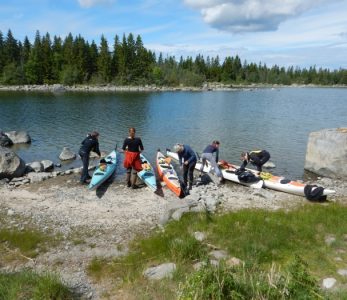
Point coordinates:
[(76, 61)]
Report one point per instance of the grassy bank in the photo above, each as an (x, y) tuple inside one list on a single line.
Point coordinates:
[(285, 255), (29, 285)]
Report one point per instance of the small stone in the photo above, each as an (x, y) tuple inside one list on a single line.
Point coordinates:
[(329, 240), (159, 272), (342, 272), (219, 254), (199, 236), (10, 212), (328, 283), (234, 262)]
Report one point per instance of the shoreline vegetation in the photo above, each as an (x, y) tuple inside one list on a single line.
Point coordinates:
[(73, 60), (59, 88)]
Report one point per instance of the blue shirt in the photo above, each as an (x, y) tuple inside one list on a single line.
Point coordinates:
[(211, 149), (187, 154)]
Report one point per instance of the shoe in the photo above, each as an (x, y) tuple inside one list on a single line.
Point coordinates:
[(89, 177), (134, 186), (83, 182), (190, 188), (128, 184)]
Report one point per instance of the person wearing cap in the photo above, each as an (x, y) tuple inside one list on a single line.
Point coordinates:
[(207, 155), (256, 157), (187, 159), (90, 143), (132, 148)]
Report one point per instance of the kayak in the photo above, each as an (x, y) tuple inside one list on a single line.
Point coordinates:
[(168, 174), (104, 171), (147, 174), (280, 183), (228, 171)]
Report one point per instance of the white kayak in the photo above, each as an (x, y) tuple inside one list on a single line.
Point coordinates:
[(227, 172), (279, 183)]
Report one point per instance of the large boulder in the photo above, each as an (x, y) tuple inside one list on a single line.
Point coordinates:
[(67, 154), (19, 137), (11, 165), (35, 166), (326, 153), (48, 165)]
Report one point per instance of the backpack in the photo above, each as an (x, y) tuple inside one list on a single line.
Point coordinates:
[(314, 192), (246, 176)]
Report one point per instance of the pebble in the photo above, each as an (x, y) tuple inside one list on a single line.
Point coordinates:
[(328, 283)]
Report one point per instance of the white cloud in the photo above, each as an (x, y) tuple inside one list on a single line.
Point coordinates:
[(250, 15), (90, 3)]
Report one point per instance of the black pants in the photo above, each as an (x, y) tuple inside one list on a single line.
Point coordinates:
[(258, 161), (85, 161), (188, 170)]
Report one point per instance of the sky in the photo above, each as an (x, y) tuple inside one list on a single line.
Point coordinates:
[(299, 33)]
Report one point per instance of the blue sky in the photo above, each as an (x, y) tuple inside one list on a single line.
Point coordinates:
[(284, 32)]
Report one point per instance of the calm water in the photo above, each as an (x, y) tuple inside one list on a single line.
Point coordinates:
[(277, 120)]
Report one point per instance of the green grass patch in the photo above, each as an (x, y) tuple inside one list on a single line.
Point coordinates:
[(30, 285), (29, 242), (293, 242)]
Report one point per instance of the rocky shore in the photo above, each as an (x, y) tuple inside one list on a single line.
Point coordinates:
[(107, 219), (59, 88)]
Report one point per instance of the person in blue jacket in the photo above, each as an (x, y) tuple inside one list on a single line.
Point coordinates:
[(187, 159)]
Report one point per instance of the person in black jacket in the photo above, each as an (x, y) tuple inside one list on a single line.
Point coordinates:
[(90, 143), (256, 157)]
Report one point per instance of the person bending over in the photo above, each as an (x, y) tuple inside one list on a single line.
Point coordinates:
[(207, 155), (90, 143), (187, 158), (256, 157)]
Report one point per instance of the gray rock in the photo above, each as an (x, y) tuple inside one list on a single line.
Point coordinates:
[(175, 205), (38, 177), (17, 179), (326, 152), (199, 236), (11, 165), (328, 283), (35, 166), (197, 266), (179, 212), (234, 262), (269, 165), (58, 88), (19, 137), (48, 165), (164, 219), (219, 254), (4, 181), (67, 154), (10, 212), (342, 272), (159, 272), (329, 240)]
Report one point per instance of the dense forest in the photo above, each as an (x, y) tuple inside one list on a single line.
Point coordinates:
[(74, 60)]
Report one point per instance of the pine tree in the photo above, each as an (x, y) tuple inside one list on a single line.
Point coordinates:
[(33, 68), (46, 53), (104, 61), (11, 50)]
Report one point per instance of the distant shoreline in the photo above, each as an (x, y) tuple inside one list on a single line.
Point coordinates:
[(59, 88)]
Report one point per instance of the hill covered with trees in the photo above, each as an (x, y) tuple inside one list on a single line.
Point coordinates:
[(74, 60)]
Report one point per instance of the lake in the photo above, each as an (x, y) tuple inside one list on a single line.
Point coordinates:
[(278, 120)]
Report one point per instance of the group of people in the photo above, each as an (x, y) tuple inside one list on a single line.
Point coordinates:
[(132, 147)]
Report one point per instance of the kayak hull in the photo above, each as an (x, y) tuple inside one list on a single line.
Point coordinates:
[(147, 175), (100, 176), (228, 172), (168, 174)]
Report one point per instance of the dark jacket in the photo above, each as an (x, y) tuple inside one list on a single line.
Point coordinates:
[(187, 154), (256, 158), (89, 144), (211, 149)]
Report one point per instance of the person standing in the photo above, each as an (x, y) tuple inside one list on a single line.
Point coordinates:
[(187, 158), (256, 157), (207, 155), (132, 147), (90, 143)]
